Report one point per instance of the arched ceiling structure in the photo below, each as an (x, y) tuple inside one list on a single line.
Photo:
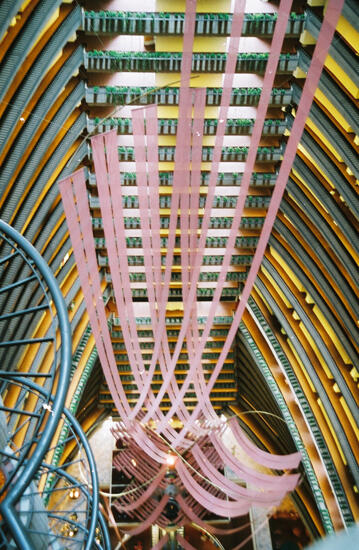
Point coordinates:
[(295, 353)]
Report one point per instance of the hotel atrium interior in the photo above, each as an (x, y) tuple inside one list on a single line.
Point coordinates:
[(179, 274)]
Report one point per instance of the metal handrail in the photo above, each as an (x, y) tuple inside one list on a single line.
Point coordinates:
[(92, 489), (7, 506)]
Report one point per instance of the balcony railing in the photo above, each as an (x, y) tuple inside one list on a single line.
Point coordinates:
[(243, 127), (211, 242), (123, 95), (229, 154), (113, 61), (217, 24), (219, 222), (165, 201), (258, 179)]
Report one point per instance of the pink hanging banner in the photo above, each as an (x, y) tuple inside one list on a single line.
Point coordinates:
[(188, 510), (237, 23), (110, 195), (276, 462), (84, 250), (181, 162), (142, 498), (254, 477), (160, 543), (147, 215), (92, 292), (209, 501), (192, 335), (150, 519), (326, 33), (232, 489), (116, 254), (149, 212), (279, 33), (185, 204)]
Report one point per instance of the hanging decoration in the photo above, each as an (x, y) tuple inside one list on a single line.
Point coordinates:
[(193, 483)]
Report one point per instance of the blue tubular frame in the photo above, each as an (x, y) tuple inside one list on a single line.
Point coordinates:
[(97, 517), (106, 536), (7, 506)]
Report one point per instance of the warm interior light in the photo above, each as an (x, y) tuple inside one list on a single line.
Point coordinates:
[(170, 460), (74, 493)]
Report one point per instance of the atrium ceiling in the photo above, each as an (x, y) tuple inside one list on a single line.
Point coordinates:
[(72, 70)]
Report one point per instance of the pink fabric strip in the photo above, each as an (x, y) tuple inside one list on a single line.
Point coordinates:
[(327, 30), (147, 198), (99, 330), (91, 260), (233, 490), (160, 543), (142, 498), (143, 198), (192, 336), (237, 23), (90, 281), (92, 293), (144, 195), (119, 254), (144, 468), (257, 479), (222, 507), (181, 159), (151, 519), (96, 302), (280, 29), (153, 187), (277, 462), (114, 224), (127, 313), (141, 177), (181, 167), (116, 253), (188, 510)]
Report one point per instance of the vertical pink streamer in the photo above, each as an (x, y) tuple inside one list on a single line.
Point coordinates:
[(151, 519), (278, 37), (192, 336), (181, 162), (84, 249), (153, 181), (237, 23), (117, 223), (92, 292), (116, 248), (325, 37), (147, 202)]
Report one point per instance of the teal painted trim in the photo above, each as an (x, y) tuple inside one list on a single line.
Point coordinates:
[(310, 417), (83, 380), (272, 384), (74, 401), (79, 350)]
